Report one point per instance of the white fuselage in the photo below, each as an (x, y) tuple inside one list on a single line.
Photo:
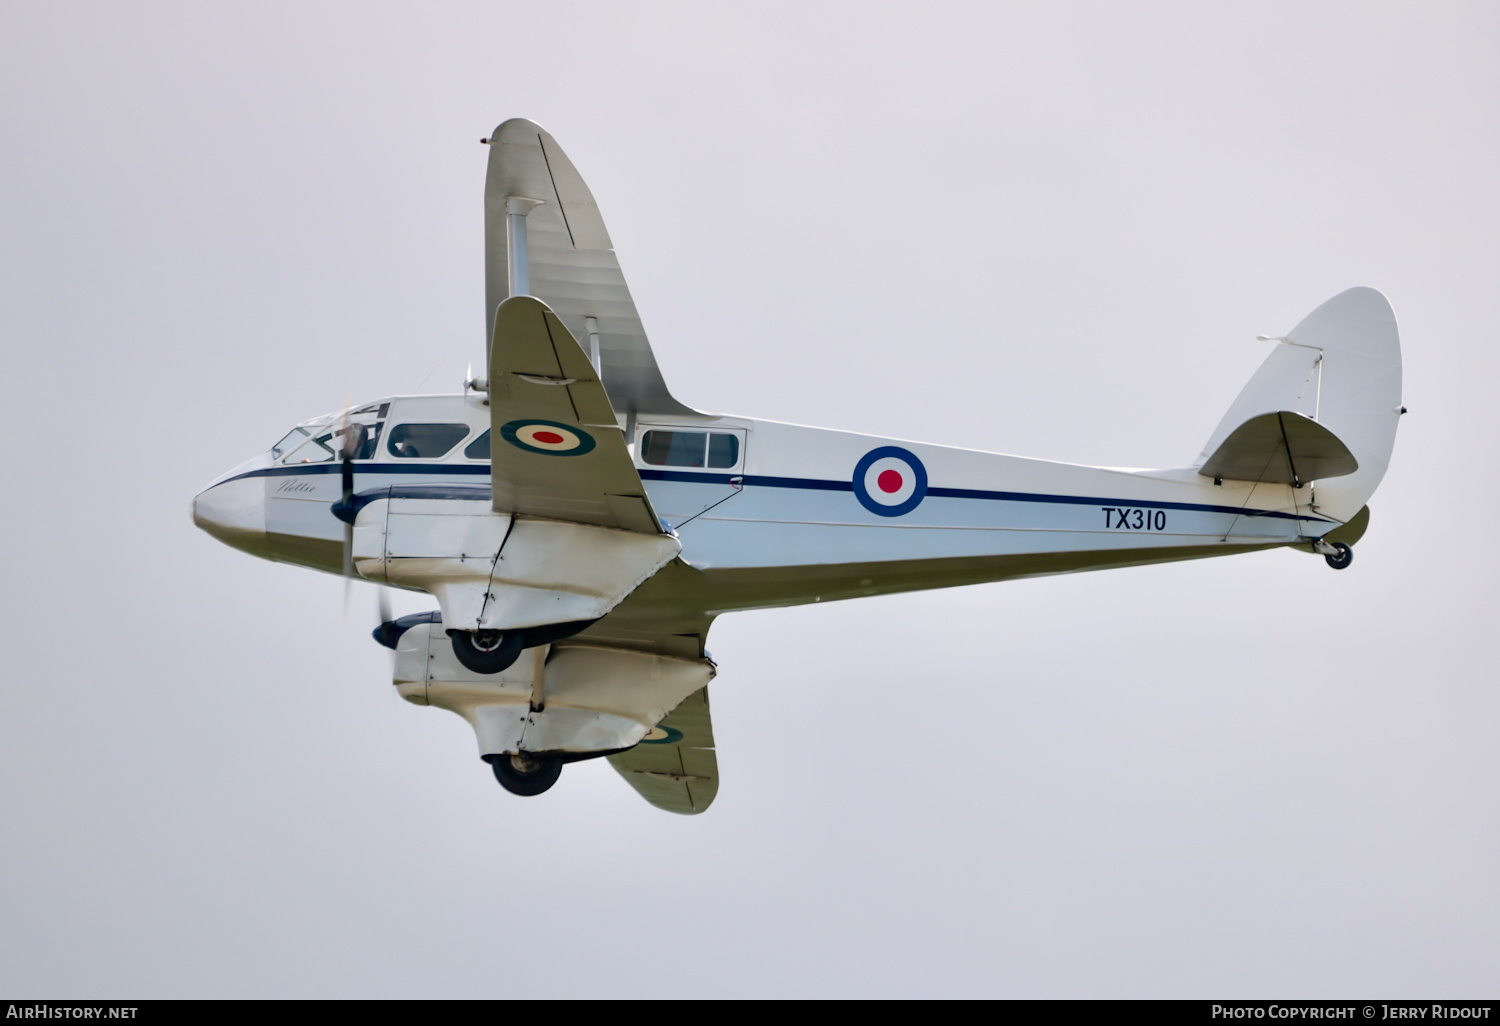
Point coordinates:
[(788, 498)]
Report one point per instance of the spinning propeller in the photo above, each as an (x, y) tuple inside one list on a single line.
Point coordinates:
[(386, 631), (352, 439)]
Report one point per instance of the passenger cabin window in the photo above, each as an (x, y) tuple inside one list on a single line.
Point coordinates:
[(424, 441), (479, 449), (723, 450), (715, 450)]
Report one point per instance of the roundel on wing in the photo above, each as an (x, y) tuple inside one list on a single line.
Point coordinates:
[(890, 481), (548, 437), (659, 735)]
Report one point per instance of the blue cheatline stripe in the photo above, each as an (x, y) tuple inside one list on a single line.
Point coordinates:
[(973, 493), (764, 482), (1083, 500), (806, 483)]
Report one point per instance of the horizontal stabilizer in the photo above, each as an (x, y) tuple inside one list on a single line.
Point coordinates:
[(675, 767), (1280, 448)]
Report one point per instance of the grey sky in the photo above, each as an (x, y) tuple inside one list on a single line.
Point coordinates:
[(1045, 229)]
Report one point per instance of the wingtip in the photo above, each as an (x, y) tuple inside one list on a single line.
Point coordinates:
[(512, 127)]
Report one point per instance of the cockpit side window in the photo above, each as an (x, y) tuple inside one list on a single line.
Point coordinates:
[(424, 441), (371, 444), (366, 440)]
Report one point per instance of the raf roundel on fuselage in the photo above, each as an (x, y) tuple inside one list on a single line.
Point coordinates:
[(890, 481)]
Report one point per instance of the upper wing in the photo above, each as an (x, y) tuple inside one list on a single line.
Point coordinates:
[(572, 262), (556, 449), (675, 768)]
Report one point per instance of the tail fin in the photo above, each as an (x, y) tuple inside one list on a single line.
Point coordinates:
[(1342, 368)]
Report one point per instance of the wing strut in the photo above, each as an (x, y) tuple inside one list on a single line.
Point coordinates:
[(518, 261)]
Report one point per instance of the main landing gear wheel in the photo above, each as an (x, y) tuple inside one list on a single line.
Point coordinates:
[(525, 774), (1341, 559), (487, 651)]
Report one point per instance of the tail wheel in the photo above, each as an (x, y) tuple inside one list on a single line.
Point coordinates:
[(487, 651), (1341, 559), (525, 774)]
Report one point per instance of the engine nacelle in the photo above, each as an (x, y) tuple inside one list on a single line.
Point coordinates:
[(495, 571), (594, 699)]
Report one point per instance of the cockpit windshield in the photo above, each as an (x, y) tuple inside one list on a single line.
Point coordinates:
[(301, 447), (287, 444)]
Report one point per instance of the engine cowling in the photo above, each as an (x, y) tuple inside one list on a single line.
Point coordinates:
[(495, 571)]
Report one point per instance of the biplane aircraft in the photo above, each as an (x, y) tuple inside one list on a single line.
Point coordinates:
[(580, 529)]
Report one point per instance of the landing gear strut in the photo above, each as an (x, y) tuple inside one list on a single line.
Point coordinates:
[(525, 774)]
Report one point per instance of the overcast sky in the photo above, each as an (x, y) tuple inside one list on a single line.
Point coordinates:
[(1047, 229)]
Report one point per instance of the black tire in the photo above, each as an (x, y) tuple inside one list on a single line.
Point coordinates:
[(487, 651), (1342, 559), (525, 775)]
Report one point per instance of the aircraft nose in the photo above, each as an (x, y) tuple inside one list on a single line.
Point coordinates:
[(234, 512)]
